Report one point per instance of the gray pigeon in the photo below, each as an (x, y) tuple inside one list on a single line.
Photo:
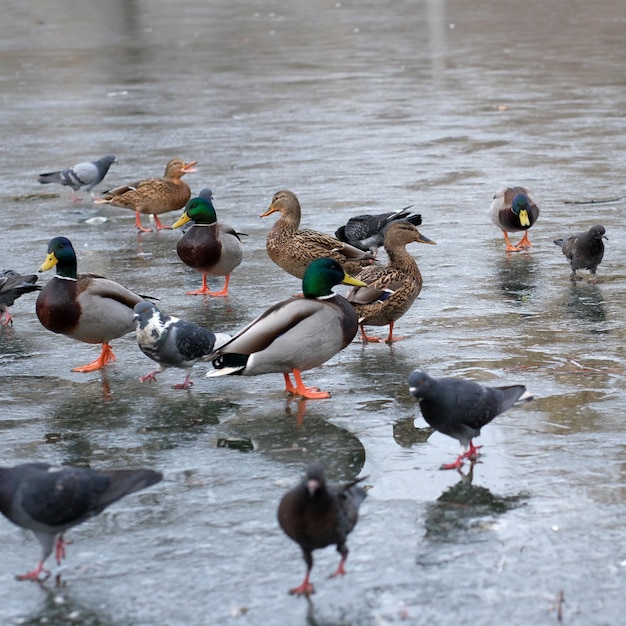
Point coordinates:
[(367, 232), (87, 175), (172, 342), (12, 286), (584, 250), (49, 500), (316, 515), (460, 408)]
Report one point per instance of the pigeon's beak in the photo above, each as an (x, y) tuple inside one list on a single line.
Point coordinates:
[(312, 485), (49, 263)]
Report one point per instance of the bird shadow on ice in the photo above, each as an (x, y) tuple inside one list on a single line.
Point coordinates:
[(59, 609), (517, 276), (406, 434), (585, 302), (465, 507)]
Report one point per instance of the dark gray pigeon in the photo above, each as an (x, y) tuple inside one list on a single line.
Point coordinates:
[(316, 515), (49, 500), (87, 175), (367, 232), (12, 286), (172, 342), (584, 250), (460, 408)]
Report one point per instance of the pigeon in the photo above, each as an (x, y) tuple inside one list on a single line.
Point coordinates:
[(316, 515), (460, 408), (51, 499), (584, 250), (12, 286), (367, 232), (172, 342), (87, 175)]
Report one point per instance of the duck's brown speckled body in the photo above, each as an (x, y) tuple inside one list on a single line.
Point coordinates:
[(154, 196), (391, 290), (293, 249)]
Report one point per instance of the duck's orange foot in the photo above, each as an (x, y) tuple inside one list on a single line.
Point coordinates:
[(524, 242), (509, 246), (159, 225), (205, 291), (106, 357), (138, 224), (309, 393)]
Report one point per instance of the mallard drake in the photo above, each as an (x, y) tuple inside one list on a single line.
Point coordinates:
[(209, 246), (296, 334), (85, 307), (391, 290), (514, 209), (367, 232), (584, 250), (293, 249), (154, 196), (12, 286)]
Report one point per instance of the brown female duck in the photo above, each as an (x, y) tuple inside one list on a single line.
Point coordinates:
[(293, 249), (391, 290), (154, 196)]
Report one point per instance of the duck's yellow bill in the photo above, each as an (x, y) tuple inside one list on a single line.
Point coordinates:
[(523, 218), (49, 263), (183, 219), (350, 280)]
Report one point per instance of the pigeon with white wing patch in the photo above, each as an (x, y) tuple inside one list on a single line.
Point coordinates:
[(172, 342)]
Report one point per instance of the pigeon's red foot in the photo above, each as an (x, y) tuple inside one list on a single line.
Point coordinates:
[(59, 549), (34, 574), (186, 384), (472, 452), (150, 377), (340, 571), (306, 589), (456, 465)]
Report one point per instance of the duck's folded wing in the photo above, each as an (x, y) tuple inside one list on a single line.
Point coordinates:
[(105, 288), (277, 320)]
